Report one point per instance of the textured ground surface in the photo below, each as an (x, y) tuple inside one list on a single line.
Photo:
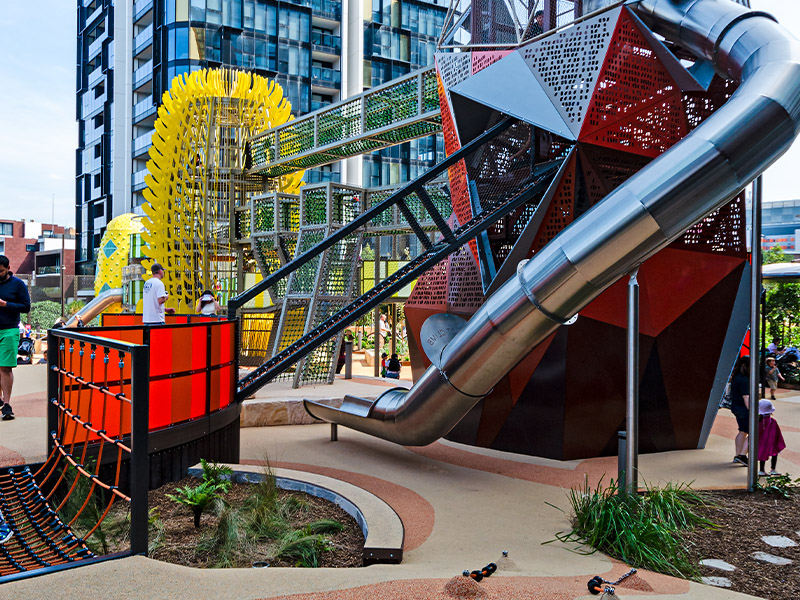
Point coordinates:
[(460, 508)]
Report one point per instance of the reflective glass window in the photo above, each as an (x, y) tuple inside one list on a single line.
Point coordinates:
[(197, 10)]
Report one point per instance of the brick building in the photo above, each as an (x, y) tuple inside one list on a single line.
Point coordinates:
[(37, 252)]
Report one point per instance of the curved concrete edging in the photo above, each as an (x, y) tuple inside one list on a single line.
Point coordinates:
[(382, 528)]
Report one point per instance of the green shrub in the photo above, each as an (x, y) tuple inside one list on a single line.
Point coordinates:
[(197, 498), (74, 306), (781, 485), (215, 473), (643, 530), (44, 314)]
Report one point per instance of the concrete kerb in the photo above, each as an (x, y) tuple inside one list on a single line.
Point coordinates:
[(382, 528)]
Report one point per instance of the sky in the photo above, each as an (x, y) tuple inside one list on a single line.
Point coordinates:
[(39, 133)]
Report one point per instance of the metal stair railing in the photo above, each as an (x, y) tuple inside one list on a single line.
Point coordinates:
[(454, 240), (362, 220)]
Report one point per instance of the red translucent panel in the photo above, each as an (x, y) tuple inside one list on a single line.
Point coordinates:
[(160, 403)]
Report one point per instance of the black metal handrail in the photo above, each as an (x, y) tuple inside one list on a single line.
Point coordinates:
[(396, 198), (405, 275), (140, 410)]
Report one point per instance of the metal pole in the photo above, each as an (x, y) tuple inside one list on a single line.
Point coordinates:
[(376, 325), (61, 270), (755, 300), (632, 389), (53, 387), (348, 359), (140, 467), (394, 325)]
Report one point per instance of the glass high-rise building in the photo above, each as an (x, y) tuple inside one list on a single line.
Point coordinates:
[(128, 54)]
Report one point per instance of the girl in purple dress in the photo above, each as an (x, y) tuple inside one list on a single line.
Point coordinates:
[(770, 439)]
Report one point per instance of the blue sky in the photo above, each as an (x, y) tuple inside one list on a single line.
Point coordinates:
[(39, 133)]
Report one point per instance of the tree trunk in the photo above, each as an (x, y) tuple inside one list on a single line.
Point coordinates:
[(197, 513)]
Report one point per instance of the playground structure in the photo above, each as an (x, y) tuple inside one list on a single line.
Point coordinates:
[(549, 205)]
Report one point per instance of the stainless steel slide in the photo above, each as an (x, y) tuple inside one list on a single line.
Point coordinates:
[(654, 207), (95, 307)]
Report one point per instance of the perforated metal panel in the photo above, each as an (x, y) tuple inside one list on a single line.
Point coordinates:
[(457, 174), (481, 60), (324, 282), (464, 290), (561, 211), (637, 104), (722, 232), (567, 64)]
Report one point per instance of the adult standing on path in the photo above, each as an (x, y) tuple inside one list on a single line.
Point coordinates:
[(14, 299), (740, 406), (155, 297)]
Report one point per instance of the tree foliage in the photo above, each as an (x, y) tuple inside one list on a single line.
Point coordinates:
[(44, 314), (782, 303)]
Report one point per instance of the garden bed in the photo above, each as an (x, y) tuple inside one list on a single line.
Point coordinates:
[(252, 524), (744, 518), (224, 538)]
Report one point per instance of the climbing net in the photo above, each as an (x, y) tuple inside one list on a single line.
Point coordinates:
[(59, 513)]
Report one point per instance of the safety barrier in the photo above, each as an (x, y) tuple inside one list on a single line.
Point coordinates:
[(129, 407)]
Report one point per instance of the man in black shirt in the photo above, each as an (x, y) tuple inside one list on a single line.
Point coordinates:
[(14, 299)]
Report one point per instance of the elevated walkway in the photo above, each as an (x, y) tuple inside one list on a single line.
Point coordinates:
[(399, 111)]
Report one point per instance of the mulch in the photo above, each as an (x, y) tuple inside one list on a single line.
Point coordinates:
[(745, 517), (180, 537)]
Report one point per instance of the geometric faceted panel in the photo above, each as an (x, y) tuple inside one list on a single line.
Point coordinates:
[(637, 103), (568, 63), (626, 100)]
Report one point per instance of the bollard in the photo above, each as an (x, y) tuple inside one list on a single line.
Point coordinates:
[(622, 448), (348, 359), (334, 432)]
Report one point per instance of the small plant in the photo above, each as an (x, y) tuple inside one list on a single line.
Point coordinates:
[(197, 498), (216, 474), (229, 537), (782, 485), (643, 530)]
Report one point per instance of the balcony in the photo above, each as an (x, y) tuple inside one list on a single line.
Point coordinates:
[(142, 143), (96, 13), (95, 47), (137, 180), (91, 105), (326, 9), (95, 76), (144, 108), (143, 74), (143, 40), (140, 8), (325, 77), (48, 270), (326, 43)]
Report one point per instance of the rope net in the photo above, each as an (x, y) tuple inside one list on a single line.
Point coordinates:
[(66, 510)]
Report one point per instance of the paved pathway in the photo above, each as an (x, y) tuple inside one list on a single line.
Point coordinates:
[(460, 507)]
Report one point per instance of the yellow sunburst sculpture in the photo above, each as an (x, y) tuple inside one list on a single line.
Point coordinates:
[(195, 178)]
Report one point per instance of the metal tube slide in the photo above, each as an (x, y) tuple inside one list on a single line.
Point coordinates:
[(95, 307), (654, 207)]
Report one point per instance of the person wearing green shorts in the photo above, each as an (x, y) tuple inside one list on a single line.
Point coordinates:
[(14, 299)]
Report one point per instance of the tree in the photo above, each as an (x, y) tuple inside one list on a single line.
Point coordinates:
[(782, 302), (43, 314), (774, 255)]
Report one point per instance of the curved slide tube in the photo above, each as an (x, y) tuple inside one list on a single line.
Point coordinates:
[(653, 208), (95, 307)]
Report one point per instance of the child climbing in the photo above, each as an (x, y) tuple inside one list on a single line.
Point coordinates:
[(770, 438), (773, 374)]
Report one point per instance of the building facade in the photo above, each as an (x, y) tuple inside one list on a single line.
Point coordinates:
[(320, 51), (780, 226), (37, 252)]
